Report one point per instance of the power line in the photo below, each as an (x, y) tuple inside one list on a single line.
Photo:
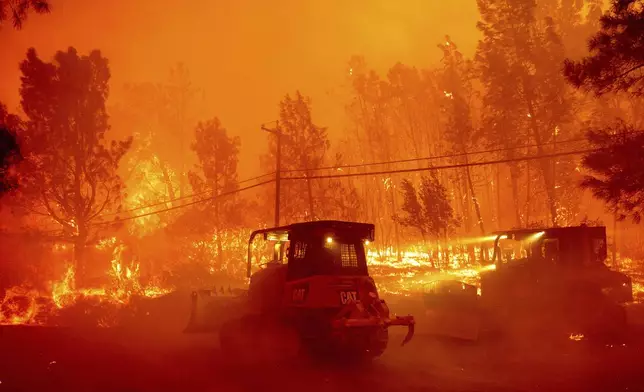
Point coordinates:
[(190, 196), (184, 205), (116, 221), (350, 166), (455, 166), (499, 149), (545, 156)]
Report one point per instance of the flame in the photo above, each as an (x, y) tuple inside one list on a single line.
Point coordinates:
[(397, 273), (18, 307), (150, 187), (21, 305), (106, 243), (576, 336), (62, 292)]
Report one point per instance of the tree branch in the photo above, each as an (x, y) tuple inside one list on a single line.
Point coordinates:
[(107, 199), (52, 213), (92, 182)]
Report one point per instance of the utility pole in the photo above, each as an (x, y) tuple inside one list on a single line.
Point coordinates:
[(276, 131)]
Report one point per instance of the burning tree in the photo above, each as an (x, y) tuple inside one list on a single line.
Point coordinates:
[(69, 171), (304, 149), (9, 148), (617, 170), (616, 53), (218, 157), (159, 115), (304, 146), (17, 10), (456, 82), (427, 209), (385, 113), (612, 71), (526, 98)]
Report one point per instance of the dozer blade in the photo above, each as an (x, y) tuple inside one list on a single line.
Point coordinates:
[(211, 308)]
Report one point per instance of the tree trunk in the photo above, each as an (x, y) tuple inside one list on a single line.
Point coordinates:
[(498, 199), (527, 196), (488, 192), (544, 163), (80, 270), (396, 228), (220, 256), (465, 197), (458, 190), (477, 207), (168, 181), (514, 179)]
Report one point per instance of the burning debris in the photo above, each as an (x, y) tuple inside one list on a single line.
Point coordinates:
[(576, 336)]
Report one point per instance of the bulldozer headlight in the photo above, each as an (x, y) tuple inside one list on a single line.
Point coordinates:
[(329, 240)]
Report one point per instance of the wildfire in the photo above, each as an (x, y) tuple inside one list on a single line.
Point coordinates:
[(413, 270), (106, 243), (23, 306), (62, 292), (18, 307), (223, 255)]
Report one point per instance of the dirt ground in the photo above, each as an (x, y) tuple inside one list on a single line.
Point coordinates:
[(156, 356), (42, 359)]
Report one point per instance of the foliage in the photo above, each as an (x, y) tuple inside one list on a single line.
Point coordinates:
[(17, 10), (217, 175), (218, 157), (159, 115), (69, 172), (9, 149), (456, 81), (526, 98), (303, 148), (617, 168), (613, 66), (616, 52), (427, 209)]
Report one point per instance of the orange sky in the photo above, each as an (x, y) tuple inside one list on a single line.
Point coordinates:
[(246, 54)]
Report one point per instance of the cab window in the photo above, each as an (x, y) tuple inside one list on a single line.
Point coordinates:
[(511, 249), (322, 257)]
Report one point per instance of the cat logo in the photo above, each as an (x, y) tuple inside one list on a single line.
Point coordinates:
[(298, 295), (348, 297)]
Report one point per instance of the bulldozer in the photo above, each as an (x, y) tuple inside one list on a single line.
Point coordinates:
[(552, 280), (315, 295)]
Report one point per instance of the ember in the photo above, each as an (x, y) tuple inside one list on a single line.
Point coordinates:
[(576, 337)]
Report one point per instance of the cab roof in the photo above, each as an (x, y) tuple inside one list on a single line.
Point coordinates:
[(318, 228), (554, 232)]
